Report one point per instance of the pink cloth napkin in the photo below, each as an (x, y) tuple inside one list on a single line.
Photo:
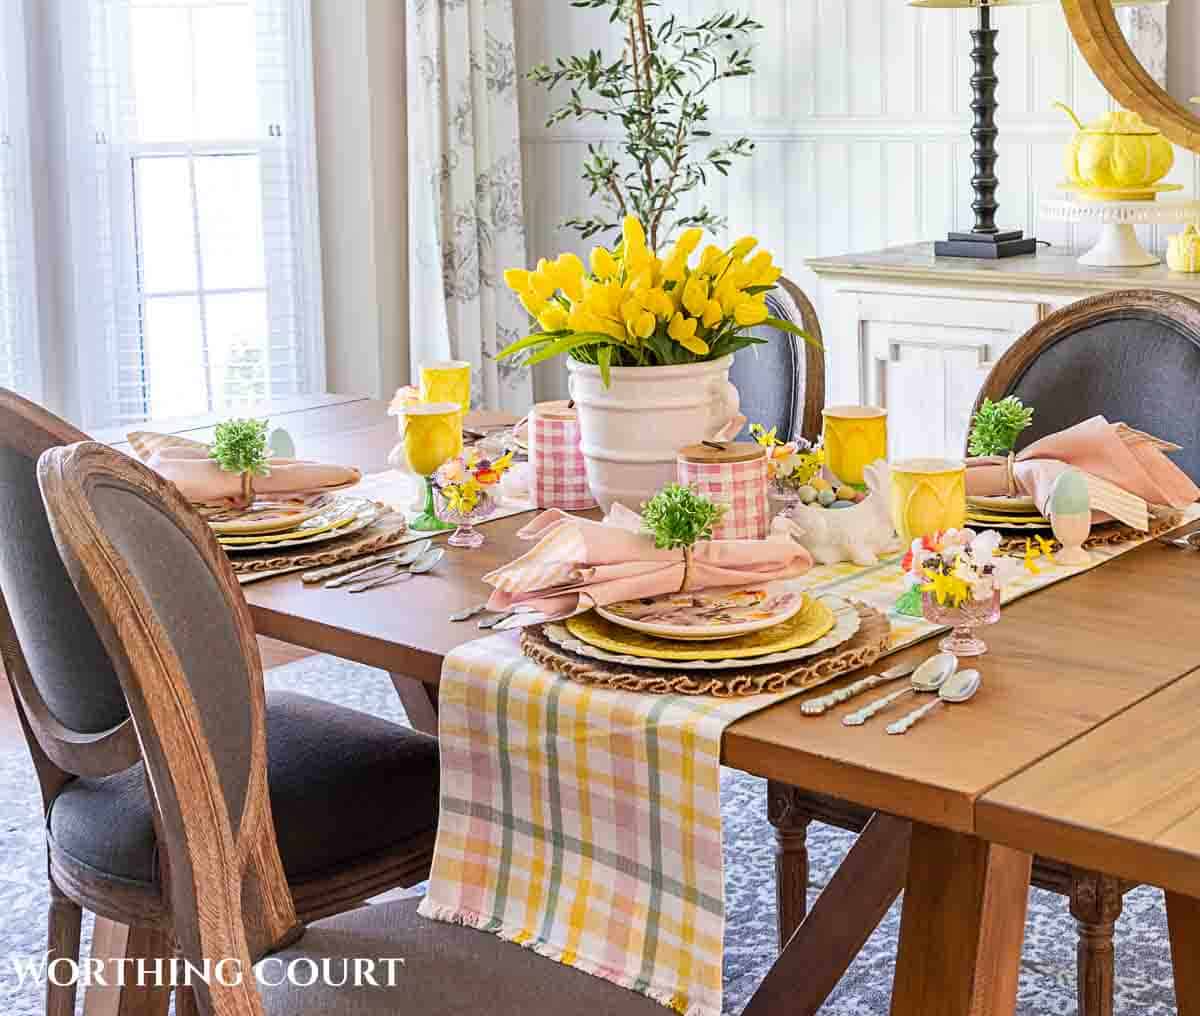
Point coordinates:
[(577, 564), (186, 464), (1126, 458)]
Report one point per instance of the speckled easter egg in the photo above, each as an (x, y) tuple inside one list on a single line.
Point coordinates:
[(826, 497)]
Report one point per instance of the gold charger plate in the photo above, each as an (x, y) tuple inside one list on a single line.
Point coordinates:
[(814, 620)]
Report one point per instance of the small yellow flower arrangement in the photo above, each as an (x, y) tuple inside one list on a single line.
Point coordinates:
[(464, 481), (629, 307), (790, 464)]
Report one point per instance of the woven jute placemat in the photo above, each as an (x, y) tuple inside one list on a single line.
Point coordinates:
[(864, 648), (1107, 534), (385, 532)]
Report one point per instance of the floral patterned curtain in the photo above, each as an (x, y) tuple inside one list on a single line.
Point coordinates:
[(466, 217)]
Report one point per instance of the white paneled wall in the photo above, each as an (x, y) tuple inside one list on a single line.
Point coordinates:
[(860, 113)]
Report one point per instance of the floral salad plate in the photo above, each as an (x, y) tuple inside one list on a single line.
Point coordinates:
[(705, 614)]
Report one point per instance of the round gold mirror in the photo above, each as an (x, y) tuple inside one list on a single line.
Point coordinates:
[(1094, 25)]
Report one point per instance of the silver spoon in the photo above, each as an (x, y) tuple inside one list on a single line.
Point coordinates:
[(406, 555), (959, 687), (427, 562), (929, 676)]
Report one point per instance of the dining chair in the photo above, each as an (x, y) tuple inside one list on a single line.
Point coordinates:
[(1131, 355), (782, 383), (356, 797), (166, 605)]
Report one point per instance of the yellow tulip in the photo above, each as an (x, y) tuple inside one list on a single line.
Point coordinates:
[(729, 295), (657, 301), (570, 271), (709, 259), (604, 265), (542, 282), (553, 318), (531, 303), (634, 236), (688, 242), (751, 311), (683, 330), (517, 279), (674, 269), (712, 314), (743, 247), (643, 325), (695, 296)]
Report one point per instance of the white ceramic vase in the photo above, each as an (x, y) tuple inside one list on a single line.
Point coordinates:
[(631, 431)]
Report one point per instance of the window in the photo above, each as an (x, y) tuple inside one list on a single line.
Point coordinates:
[(19, 361), (205, 207)]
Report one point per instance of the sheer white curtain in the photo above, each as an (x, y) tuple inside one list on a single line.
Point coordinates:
[(465, 198), (19, 358), (194, 236)]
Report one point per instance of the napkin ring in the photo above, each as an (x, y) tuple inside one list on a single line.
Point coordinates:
[(1010, 476)]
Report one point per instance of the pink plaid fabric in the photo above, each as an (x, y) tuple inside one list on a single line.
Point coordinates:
[(559, 472), (740, 485)]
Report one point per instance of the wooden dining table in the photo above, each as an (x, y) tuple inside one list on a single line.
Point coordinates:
[(1064, 662)]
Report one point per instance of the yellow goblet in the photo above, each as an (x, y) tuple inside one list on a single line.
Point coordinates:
[(855, 436), (928, 496), (432, 435), (447, 381)]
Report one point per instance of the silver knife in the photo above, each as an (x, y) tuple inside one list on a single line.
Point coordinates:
[(403, 556), (822, 704)]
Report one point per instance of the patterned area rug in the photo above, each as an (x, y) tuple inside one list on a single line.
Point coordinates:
[(1144, 986)]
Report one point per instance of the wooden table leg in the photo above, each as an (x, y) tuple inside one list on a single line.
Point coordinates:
[(112, 943), (1095, 904), (66, 917), (791, 858), (419, 701), (843, 918), (1183, 916), (962, 927)]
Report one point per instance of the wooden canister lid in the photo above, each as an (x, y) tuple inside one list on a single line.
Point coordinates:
[(559, 410), (722, 451)]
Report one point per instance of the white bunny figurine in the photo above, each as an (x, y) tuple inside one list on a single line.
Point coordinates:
[(855, 534)]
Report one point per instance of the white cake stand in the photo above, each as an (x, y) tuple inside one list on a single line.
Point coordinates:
[(1119, 246)]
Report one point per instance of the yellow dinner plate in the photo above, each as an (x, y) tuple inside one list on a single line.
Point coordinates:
[(294, 534), (814, 620)]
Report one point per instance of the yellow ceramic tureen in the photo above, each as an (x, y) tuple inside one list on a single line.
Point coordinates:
[(1120, 156)]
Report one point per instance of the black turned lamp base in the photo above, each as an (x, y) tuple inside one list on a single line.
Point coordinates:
[(990, 246)]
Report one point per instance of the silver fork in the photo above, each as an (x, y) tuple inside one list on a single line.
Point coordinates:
[(403, 556), (822, 704)]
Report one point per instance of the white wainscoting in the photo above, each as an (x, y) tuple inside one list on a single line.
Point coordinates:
[(860, 113)]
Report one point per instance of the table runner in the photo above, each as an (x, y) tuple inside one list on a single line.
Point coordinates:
[(585, 823)]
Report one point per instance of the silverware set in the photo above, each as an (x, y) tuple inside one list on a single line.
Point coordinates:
[(498, 619), (383, 569), (938, 675)]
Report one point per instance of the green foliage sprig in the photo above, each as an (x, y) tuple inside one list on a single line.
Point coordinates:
[(677, 516), (240, 446), (997, 425), (655, 89)]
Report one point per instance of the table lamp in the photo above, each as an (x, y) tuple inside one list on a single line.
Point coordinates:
[(986, 239)]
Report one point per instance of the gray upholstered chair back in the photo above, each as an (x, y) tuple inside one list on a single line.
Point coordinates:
[(195, 620), (65, 659), (168, 609), (1132, 357), (781, 383)]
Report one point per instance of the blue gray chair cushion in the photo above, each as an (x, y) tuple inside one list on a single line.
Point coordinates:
[(345, 786), (448, 970)]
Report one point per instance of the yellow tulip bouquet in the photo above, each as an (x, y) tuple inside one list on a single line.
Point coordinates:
[(636, 309)]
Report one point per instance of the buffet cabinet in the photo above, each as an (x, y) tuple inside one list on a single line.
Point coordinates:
[(918, 334)]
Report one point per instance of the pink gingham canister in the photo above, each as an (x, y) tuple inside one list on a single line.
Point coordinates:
[(559, 472), (733, 474)]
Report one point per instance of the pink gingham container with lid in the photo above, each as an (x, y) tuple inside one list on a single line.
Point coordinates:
[(559, 472), (733, 474)]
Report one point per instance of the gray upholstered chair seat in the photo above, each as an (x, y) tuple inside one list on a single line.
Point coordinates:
[(344, 786), (448, 970)]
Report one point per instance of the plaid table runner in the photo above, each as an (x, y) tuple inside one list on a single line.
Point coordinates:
[(585, 823)]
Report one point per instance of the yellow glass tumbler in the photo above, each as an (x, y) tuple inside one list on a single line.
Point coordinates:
[(928, 496), (855, 436), (432, 435), (447, 381)]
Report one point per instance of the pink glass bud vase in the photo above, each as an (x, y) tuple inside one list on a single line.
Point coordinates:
[(964, 619), (466, 535)]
